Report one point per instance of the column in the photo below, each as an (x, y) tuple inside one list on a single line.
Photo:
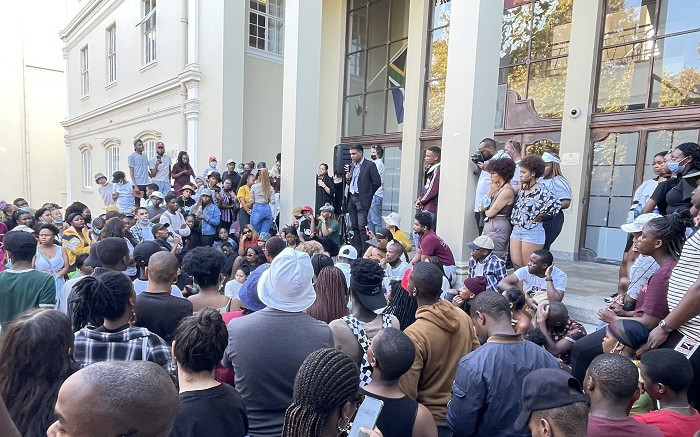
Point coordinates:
[(235, 31), (411, 164), (300, 103), (470, 110), (190, 79), (575, 131)]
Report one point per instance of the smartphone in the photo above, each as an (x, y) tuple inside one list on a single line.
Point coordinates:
[(366, 416)]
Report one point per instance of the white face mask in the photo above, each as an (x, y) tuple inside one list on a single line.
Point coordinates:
[(212, 164)]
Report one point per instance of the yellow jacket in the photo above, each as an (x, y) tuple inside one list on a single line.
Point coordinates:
[(76, 243)]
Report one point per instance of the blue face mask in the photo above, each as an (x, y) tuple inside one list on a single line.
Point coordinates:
[(675, 167), (58, 222), (97, 231), (239, 170), (26, 208)]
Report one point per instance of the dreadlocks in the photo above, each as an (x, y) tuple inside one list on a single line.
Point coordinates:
[(327, 379), (99, 298)]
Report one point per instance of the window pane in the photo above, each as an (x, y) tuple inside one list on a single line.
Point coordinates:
[(678, 15), (515, 77), (515, 34), (663, 140), (626, 149), (376, 69), (441, 12), (275, 36), (600, 180), (438, 53), (622, 182), (436, 103), (353, 4), (399, 20), (378, 23), (355, 73), (547, 80), (394, 110), (619, 210), (551, 29), (397, 64), (354, 108), (628, 21), (357, 22), (676, 78), (598, 211), (622, 83), (374, 113)]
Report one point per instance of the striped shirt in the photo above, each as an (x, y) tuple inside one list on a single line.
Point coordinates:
[(683, 277)]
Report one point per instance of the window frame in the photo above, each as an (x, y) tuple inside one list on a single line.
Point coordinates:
[(86, 166), (265, 52), (148, 32), (84, 72), (652, 41), (112, 153), (111, 53), (428, 70)]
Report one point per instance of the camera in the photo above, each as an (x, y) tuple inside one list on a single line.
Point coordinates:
[(477, 158), (575, 112)]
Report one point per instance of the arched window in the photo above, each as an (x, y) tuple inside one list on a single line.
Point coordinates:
[(86, 164)]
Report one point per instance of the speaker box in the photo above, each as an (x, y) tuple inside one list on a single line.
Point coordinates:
[(341, 157)]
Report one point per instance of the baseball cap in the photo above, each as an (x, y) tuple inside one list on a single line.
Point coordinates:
[(99, 175), (92, 260), (129, 214), (143, 252), (212, 158), (307, 208), (158, 226), (348, 251), (392, 219), (384, 234), (160, 145), (367, 288), (214, 174), (638, 224), (544, 389), (206, 192), (157, 194), (482, 242), (548, 157), (18, 241), (230, 161)]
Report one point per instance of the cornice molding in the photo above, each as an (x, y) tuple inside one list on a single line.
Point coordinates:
[(84, 147), (108, 142), (95, 10), (149, 134), (168, 85), (137, 120)]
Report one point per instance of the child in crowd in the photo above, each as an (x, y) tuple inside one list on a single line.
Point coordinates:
[(233, 287)]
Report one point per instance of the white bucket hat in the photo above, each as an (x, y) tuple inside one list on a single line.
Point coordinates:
[(392, 219), (287, 284)]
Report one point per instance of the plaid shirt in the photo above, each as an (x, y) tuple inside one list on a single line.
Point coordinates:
[(137, 232), (92, 346), (494, 270)]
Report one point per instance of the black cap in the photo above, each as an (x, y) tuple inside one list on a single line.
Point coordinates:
[(384, 234), (158, 226), (19, 241), (368, 287), (547, 388), (143, 252), (92, 260)]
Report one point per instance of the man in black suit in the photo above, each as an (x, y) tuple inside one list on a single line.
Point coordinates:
[(363, 181)]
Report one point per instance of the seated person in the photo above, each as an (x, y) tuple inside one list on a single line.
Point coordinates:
[(484, 262), (472, 287), (560, 331), (393, 222), (378, 244), (540, 280), (165, 239), (516, 302), (346, 256), (394, 267), (667, 374), (391, 355)]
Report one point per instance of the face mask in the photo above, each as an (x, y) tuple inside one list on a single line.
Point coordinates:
[(97, 231), (144, 222), (58, 222), (212, 164), (674, 167), (25, 208), (239, 170)]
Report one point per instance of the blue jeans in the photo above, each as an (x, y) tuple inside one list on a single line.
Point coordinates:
[(374, 215), (164, 187), (261, 217)]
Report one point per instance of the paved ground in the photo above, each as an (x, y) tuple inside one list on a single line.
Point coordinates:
[(589, 283)]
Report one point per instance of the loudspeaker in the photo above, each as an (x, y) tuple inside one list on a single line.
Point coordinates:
[(341, 157)]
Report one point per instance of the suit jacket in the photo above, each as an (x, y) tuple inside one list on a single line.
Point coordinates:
[(368, 182)]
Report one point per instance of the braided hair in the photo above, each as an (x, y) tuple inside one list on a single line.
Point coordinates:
[(402, 305), (101, 297), (327, 379), (670, 230)]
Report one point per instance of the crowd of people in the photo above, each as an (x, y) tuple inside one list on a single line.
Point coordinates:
[(190, 307)]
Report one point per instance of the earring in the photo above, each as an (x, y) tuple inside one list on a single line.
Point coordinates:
[(345, 428), (132, 318)]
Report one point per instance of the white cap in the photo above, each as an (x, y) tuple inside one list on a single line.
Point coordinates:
[(548, 157), (157, 194), (348, 252), (639, 222), (393, 219)]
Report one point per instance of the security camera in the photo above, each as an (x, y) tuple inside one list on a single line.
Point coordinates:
[(575, 112)]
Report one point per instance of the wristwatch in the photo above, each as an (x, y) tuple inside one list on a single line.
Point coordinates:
[(664, 327)]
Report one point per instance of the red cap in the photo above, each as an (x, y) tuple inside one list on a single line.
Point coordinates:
[(160, 145), (212, 158), (307, 208), (404, 281)]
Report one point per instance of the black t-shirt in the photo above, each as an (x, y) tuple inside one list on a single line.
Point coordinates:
[(160, 313), (679, 196), (185, 205), (213, 412), (659, 194), (235, 178)]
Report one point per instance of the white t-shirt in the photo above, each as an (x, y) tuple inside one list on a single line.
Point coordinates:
[(163, 173), (345, 267), (380, 168), (532, 284), (482, 187), (106, 193), (141, 286), (233, 289)]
